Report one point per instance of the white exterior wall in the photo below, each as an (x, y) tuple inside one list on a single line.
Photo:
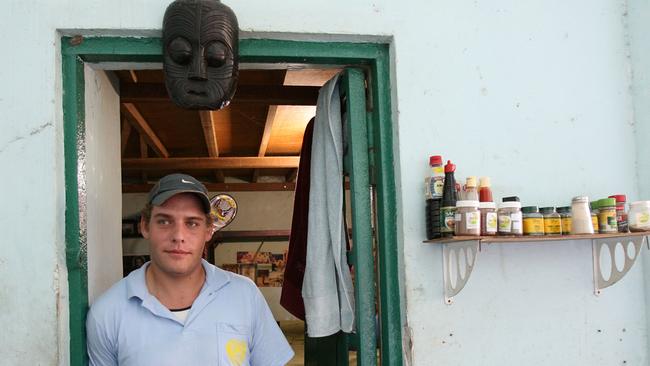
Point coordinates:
[(526, 92)]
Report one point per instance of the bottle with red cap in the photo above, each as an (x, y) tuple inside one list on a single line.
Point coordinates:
[(434, 197), (449, 197), (621, 215)]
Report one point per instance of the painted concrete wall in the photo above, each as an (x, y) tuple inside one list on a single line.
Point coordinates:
[(104, 179), (521, 91)]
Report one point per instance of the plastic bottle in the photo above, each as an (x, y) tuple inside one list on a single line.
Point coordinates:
[(434, 189), (471, 190), (607, 223), (484, 191), (449, 197), (552, 221), (581, 219), (621, 215)]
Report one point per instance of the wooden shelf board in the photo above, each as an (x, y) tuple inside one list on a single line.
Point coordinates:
[(520, 239)]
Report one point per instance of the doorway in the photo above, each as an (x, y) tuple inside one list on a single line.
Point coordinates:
[(373, 58)]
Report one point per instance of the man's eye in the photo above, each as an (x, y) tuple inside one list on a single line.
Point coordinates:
[(163, 222), (192, 224), (215, 54), (180, 51)]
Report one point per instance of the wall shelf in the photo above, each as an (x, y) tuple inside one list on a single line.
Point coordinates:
[(468, 247)]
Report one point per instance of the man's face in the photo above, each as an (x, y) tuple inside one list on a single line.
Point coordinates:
[(200, 48), (177, 232)]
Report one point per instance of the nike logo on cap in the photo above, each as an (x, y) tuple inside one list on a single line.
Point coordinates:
[(186, 181)]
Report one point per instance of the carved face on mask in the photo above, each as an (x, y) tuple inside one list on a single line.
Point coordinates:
[(200, 50)]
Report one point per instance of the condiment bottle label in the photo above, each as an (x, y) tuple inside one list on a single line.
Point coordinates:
[(642, 219), (473, 220), (505, 224), (491, 222), (594, 222), (607, 222), (515, 217), (447, 215), (552, 226), (533, 225), (437, 181), (566, 225)]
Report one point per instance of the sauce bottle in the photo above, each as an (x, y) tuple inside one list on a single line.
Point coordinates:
[(449, 197), (484, 191)]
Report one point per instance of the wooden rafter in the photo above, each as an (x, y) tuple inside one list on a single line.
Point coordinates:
[(220, 187), (209, 132), (140, 124), (291, 177), (126, 133), (249, 162), (266, 136), (262, 94), (144, 153)]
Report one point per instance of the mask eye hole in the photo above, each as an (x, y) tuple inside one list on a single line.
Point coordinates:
[(215, 54), (180, 51)]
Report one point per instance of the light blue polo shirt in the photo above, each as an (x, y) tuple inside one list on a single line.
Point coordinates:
[(228, 324)]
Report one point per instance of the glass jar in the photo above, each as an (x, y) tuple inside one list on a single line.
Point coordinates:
[(607, 216), (509, 218), (488, 218), (552, 221), (467, 218), (621, 215), (581, 216), (533, 221), (639, 216), (565, 215), (594, 215)]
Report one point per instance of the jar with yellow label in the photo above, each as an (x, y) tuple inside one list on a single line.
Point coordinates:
[(565, 215), (607, 223), (533, 221), (594, 215), (639, 216), (552, 221)]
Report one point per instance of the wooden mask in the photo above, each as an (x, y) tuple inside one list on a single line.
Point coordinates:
[(200, 53)]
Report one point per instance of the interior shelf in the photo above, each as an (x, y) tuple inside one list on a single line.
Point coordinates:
[(468, 247)]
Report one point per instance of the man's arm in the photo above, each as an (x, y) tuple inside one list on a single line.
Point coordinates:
[(101, 348), (270, 347)]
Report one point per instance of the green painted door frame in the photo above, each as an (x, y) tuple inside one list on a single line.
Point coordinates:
[(372, 57)]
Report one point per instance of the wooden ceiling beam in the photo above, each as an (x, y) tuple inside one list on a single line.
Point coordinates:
[(140, 124), (208, 123), (221, 187), (126, 133), (261, 94), (266, 136), (248, 162)]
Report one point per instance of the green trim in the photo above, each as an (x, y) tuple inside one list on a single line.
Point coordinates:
[(389, 292), (356, 160), (372, 56), (76, 259)]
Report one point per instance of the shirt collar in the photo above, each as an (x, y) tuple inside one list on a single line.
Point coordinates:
[(136, 284)]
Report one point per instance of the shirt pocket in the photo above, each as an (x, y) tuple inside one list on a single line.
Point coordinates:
[(234, 344)]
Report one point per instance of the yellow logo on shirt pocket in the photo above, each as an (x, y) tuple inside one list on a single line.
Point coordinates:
[(236, 350), (233, 342)]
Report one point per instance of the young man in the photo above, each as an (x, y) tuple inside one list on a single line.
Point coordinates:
[(178, 309)]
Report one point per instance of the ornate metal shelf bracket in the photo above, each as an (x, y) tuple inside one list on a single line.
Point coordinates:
[(458, 262), (631, 246)]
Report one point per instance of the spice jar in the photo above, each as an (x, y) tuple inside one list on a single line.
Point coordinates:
[(468, 218), (509, 218), (552, 221), (594, 215), (607, 216), (565, 215), (621, 215), (639, 216), (581, 216), (488, 218), (533, 221)]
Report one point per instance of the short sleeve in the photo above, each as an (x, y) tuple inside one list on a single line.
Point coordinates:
[(270, 347), (101, 348)]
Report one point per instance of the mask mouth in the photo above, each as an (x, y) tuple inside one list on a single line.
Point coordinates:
[(197, 92)]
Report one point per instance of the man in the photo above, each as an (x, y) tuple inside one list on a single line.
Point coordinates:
[(178, 309)]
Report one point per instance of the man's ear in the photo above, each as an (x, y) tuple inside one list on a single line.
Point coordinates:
[(144, 228)]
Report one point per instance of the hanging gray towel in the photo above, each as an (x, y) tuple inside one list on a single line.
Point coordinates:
[(327, 287)]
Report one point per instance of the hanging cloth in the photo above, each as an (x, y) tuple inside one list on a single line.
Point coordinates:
[(327, 289)]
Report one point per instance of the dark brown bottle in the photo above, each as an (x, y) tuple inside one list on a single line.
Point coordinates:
[(449, 196)]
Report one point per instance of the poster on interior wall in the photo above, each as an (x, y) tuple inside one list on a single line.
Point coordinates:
[(269, 267), (230, 267), (132, 262)]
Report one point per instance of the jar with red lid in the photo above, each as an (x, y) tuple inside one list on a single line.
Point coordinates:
[(621, 215)]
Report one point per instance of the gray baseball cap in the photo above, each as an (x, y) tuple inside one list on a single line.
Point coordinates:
[(174, 184)]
